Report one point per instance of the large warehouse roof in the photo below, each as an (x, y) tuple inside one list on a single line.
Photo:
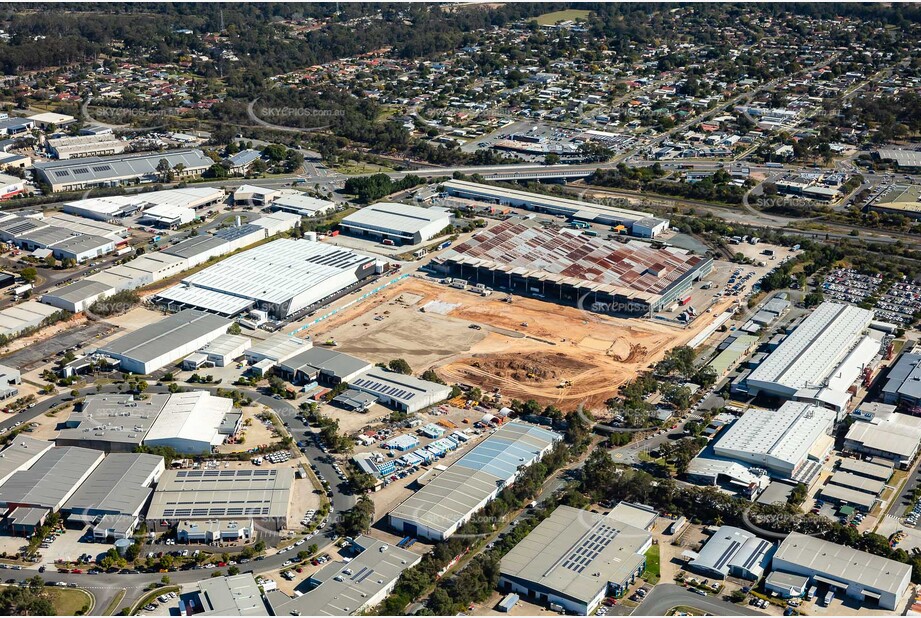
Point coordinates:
[(20, 454), (195, 416), (455, 493), (30, 314), (113, 418), (733, 548), (393, 216), (278, 271), (904, 379), (633, 268), (52, 479), (120, 485), (844, 563), (784, 436), (576, 553), (222, 493), (398, 387), (154, 340), (810, 355), (100, 169)]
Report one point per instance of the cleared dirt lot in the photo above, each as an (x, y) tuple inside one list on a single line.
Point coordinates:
[(595, 353)]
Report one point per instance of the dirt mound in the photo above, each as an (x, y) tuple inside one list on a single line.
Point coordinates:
[(532, 367)]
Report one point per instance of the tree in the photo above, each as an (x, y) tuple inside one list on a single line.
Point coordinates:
[(551, 159), (50, 262), (234, 329), (29, 274), (400, 366)]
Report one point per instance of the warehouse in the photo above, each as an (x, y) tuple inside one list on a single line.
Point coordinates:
[(193, 422), (76, 297), (236, 595), (575, 558), (11, 186), (195, 198), (197, 250), (109, 208), (81, 146), (168, 216), (286, 276), (733, 552), (397, 222), (302, 204), (879, 470), (277, 349), (899, 200), (51, 480), (15, 126), (448, 501), (346, 589), (56, 235), (847, 496), (120, 485), (222, 494), (820, 360), (21, 454), (239, 163), (903, 382), (789, 442), (275, 223), (47, 120), (113, 422), (629, 279), (254, 196), (892, 436), (225, 349), (404, 393), (73, 175), (23, 317), (322, 365), (649, 226), (872, 580), (906, 160), (163, 343)]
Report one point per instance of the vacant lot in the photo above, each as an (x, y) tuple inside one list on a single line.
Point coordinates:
[(529, 349), (548, 19)]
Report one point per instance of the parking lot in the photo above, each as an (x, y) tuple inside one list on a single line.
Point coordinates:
[(898, 304)]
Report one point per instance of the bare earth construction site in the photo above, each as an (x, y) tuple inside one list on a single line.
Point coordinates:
[(598, 353)]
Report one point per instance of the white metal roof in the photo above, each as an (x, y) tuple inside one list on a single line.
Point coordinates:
[(809, 355), (786, 434), (202, 298), (195, 415), (393, 216)]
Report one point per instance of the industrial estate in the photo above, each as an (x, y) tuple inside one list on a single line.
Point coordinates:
[(460, 309)]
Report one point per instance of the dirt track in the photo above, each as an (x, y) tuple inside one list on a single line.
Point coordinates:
[(563, 355)]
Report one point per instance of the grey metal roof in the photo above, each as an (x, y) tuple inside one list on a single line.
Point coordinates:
[(364, 577), (576, 553), (222, 493), (398, 217), (196, 245), (880, 470), (236, 595), (79, 290), (456, 493), (28, 516), (114, 418), (397, 386), (239, 231), (837, 561), (120, 485), (95, 169), (637, 515), (19, 453), (733, 547), (904, 378), (154, 340), (327, 361), (51, 478)]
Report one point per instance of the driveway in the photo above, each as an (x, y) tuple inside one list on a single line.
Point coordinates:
[(668, 596)]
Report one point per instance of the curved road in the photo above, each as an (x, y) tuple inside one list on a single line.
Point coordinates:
[(665, 597), (106, 586)]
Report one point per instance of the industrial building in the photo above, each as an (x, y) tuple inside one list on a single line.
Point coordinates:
[(640, 224), (625, 278), (255, 196), (575, 558), (349, 588), (215, 530), (820, 360), (76, 174), (888, 435), (223, 494), (234, 595), (51, 480), (906, 160), (63, 236), (728, 474), (733, 552), (162, 343), (23, 317), (276, 349), (902, 200), (322, 365), (846, 489), (446, 502), (397, 222), (112, 422), (282, 277), (168, 216), (220, 352), (400, 392), (119, 206), (193, 422), (302, 204), (903, 382), (790, 442), (21, 454), (11, 186), (120, 485), (872, 580), (80, 146)]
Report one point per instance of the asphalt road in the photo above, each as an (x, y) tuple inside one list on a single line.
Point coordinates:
[(668, 596)]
